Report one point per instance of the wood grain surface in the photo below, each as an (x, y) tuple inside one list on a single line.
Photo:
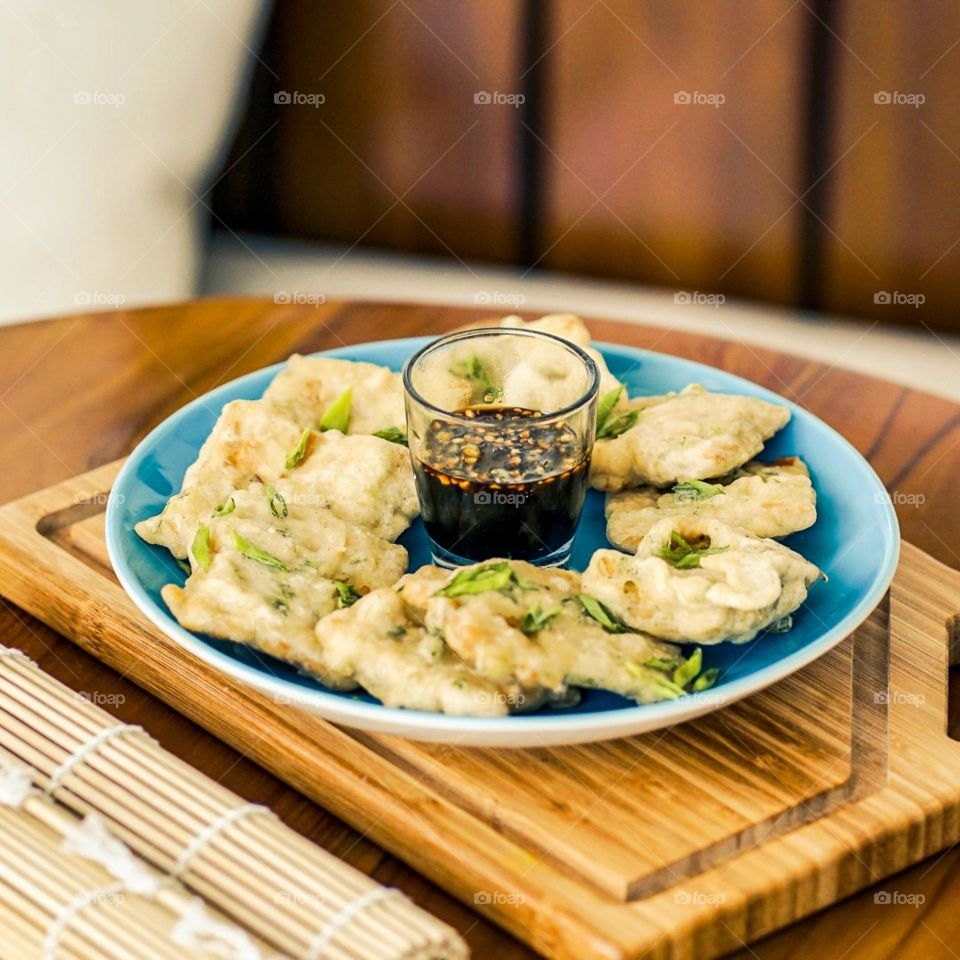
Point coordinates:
[(799, 188), (686, 195), (79, 391)]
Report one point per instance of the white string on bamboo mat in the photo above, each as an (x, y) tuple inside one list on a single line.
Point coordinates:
[(322, 940), (199, 932), (211, 830), (88, 747), (15, 785), (60, 922), (92, 840)]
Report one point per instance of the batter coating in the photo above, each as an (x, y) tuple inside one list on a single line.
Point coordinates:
[(764, 499), (267, 569), (691, 435), (699, 580)]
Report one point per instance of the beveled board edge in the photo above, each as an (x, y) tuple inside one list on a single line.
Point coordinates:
[(915, 814), (865, 753)]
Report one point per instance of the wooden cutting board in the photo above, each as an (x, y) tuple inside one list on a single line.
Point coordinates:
[(680, 843)]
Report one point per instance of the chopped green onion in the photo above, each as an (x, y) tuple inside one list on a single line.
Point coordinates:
[(665, 687), (253, 552), (688, 670), (617, 425), (696, 490), (489, 576), (706, 680), (225, 508), (393, 435), (278, 506), (602, 614), (299, 454), (346, 595), (472, 369), (201, 548), (605, 407), (337, 415), (682, 555), (659, 663), (536, 619)]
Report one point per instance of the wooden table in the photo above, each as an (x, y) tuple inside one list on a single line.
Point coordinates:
[(79, 391)]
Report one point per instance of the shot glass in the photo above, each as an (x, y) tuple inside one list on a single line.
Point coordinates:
[(501, 425)]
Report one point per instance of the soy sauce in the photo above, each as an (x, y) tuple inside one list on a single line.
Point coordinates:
[(504, 485)]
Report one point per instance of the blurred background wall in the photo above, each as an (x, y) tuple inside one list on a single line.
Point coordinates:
[(798, 152), (794, 162)]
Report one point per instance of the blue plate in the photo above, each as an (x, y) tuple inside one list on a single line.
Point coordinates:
[(855, 541)]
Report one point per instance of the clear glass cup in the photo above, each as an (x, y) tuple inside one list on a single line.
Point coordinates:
[(501, 425)]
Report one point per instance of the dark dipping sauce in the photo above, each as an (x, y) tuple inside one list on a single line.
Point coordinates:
[(505, 485)]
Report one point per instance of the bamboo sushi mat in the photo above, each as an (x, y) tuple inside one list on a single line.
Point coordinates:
[(111, 847)]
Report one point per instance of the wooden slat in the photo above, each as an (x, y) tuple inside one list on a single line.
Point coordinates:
[(691, 196), (398, 155), (894, 217)]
